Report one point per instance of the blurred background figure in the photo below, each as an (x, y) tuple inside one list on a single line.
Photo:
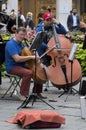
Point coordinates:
[(70, 12), (13, 11), (73, 20), (21, 19), (83, 26), (4, 11), (3, 16), (11, 24), (40, 16), (49, 9), (29, 25)]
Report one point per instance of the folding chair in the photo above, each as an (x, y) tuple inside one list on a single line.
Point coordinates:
[(15, 82)]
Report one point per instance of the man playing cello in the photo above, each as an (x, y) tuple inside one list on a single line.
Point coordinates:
[(15, 62), (46, 25)]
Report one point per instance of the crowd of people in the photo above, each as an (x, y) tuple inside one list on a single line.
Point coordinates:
[(14, 20), (74, 21), (15, 62)]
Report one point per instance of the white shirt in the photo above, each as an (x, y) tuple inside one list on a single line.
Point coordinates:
[(74, 20), (22, 18)]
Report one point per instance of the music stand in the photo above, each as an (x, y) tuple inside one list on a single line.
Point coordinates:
[(34, 47), (36, 43), (70, 89), (71, 58)]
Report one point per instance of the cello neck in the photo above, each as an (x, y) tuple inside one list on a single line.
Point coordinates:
[(56, 37)]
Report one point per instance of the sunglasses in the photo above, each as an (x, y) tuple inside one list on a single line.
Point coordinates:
[(49, 20)]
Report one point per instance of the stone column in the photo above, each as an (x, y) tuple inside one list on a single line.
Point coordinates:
[(63, 8), (12, 4)]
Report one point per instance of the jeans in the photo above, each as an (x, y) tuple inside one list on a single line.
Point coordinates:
[(26, 75)]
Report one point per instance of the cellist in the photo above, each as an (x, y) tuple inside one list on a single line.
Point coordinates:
[(15, 62), (46, 25)]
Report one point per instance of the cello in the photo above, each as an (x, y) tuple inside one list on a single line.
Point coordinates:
[(60, 68), (42, 74)]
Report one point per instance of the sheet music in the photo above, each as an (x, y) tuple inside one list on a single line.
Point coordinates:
[(36, 43)]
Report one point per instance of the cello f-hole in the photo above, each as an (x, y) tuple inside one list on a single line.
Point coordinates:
[(66, 55), (54, 65)]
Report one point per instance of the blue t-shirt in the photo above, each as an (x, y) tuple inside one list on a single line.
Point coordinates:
[(12, 48)]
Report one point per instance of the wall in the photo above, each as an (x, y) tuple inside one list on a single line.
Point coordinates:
[(28, 6), (12, 4), (63, 8)]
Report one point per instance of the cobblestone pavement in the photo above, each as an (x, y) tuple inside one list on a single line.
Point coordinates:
[(70, 109)]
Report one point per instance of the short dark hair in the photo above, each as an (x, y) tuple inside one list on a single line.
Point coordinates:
[(20, 29), (73, 9)]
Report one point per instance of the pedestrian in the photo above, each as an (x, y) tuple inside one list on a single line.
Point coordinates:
[(40, 16), (21, 19), (73, 20)]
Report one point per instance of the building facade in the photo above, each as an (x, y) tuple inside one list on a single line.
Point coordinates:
[(60, 8)]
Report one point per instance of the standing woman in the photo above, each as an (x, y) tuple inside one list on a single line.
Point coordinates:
[(29, 25)]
